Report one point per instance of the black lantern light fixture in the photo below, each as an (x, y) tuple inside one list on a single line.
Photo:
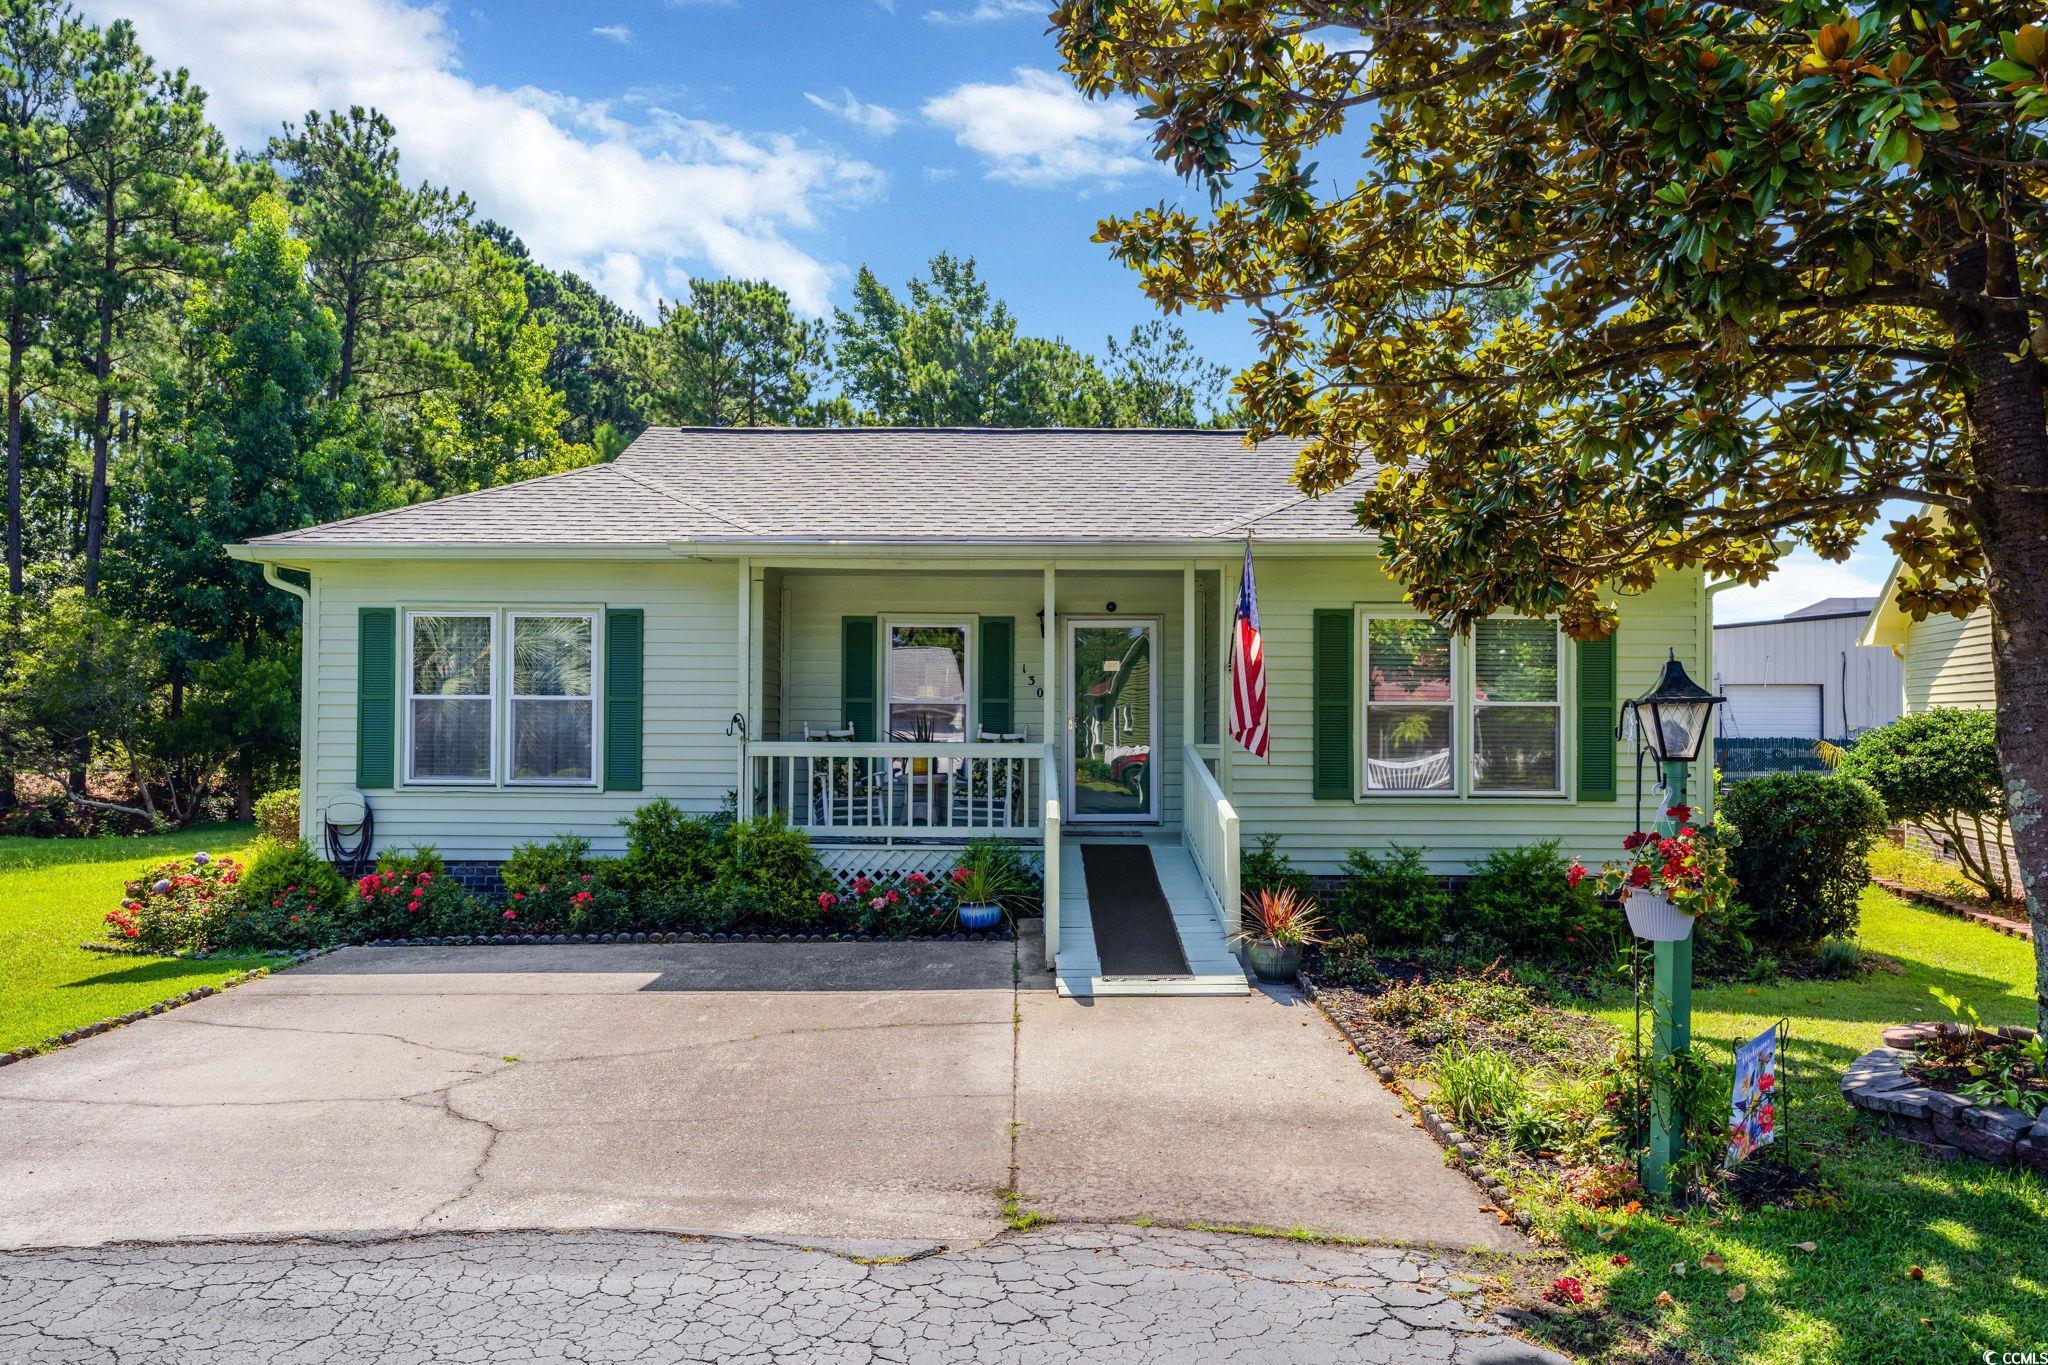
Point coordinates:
[(1673, 715)]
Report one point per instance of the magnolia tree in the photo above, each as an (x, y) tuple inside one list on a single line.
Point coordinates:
[(1782, 263)]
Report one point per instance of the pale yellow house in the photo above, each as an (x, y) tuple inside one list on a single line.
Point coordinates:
[(900, 639)]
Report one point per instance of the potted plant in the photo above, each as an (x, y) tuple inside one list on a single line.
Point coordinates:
[(987, 879), (1280, 922), (1666, 880)]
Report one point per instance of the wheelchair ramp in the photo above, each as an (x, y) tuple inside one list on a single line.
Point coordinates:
[(1135, 919)]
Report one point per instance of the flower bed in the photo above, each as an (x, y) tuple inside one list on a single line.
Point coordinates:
[(1958, 1089)]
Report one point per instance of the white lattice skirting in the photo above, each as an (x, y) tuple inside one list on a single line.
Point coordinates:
[(848, 861)]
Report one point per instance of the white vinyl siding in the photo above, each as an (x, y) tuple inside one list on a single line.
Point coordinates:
[(1948, 663)]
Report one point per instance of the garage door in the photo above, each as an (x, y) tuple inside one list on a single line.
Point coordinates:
[(1772, 711)]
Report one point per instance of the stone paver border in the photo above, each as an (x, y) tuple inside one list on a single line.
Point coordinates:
[(1941, 1123)]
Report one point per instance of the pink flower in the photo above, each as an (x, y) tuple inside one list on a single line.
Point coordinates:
[(861, 886), (877, 903), (511, 914), (893, 898), (826, 900)]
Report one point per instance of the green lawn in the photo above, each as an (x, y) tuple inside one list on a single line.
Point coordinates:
[(1976, 1233), (53, 893)]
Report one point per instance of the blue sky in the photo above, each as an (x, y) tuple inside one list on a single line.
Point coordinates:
[(643, 142)]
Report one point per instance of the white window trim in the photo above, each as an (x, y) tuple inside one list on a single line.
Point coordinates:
[(1454, 705), (1473, 705), (596, 778), (969, 627), (410, 615)]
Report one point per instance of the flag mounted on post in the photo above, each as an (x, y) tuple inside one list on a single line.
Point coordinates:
[(1248, 668)]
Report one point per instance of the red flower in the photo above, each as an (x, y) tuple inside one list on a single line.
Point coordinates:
[(1639, 875), (413, 906), (1574, 875), (518, 895), (893, 898), (1565, 1289), (1679, 813), (511, 914), (826, 900), (295, 919), (1767, 1082), (1620, 1260), (1636, 840), (861, 886)]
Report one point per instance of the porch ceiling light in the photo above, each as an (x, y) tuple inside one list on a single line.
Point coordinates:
[(1673, 715)]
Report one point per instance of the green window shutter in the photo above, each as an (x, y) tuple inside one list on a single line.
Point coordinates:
[(376, 696), (1595, 707), (625, 661), (998, 666), (1333, 706), (857, 660)]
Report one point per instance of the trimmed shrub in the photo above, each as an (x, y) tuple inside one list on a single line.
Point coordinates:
[(773, 874), (291, 898), (558, 862), (585, 905), (1347, 960), (1391, 899), (1524, 899), (277, 814), (1266, 868), (1803, 858), (398, 901), (669, 850), (414, 859), (179, 906), (1940, 768)]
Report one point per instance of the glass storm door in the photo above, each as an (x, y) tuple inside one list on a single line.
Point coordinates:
[(1112, 720)]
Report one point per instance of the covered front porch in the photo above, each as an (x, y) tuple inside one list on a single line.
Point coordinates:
[(898, 710)]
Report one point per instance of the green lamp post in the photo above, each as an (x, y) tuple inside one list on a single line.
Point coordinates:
[(1672, 718)]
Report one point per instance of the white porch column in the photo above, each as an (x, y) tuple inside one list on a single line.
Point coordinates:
[(1190, 674), (1055, 740), (1226, 618), (744, 685)]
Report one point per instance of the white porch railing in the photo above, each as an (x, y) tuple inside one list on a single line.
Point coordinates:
[(830, 788), (1208, 828)]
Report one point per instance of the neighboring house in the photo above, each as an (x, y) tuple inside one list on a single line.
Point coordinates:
[(775, 615), (1797, 679), (1944, 661)]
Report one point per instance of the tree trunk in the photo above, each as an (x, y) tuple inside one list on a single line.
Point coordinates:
[(2009, 448), (17, 358), (102, 450)]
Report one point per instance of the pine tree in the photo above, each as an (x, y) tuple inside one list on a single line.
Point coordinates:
[(735, 355)]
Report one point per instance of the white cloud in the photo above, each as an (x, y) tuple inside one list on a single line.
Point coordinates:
[(617, 33), (1039, 130), (587, 188), (1802, 579), (871, 118), (986, 12)]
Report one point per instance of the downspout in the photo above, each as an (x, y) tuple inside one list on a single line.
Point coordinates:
[(1707, 596), (307, 628)]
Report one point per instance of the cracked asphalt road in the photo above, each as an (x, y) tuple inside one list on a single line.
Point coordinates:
[(1053, 1294)]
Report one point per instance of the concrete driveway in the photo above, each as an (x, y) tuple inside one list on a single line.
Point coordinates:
[(839, 1090)]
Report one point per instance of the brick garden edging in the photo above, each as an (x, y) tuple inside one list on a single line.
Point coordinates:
[(1943, 1124), (1960, 909), (84, 1031), (1464, 1152)]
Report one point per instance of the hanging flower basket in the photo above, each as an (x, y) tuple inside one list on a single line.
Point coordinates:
[(1652, 916)]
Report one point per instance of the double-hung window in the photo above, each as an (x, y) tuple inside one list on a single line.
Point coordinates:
[(1517, 707), (501, 697), (1411, 710), (926, 678), (452, 688), (553, 706)]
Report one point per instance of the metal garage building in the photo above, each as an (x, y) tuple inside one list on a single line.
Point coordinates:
[(1803, 676)]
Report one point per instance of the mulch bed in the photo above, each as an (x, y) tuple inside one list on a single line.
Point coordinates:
[(1537, 1034)]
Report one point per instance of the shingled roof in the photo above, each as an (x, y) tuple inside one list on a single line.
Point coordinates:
[(878, 486)]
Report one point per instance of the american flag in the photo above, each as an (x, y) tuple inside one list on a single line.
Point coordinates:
[(1248, 669)]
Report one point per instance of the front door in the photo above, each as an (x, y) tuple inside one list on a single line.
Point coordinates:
[(1113, 720)]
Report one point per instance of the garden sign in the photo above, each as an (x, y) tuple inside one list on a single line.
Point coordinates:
[(1753, 1118)]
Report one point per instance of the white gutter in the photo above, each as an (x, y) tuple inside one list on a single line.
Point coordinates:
[(309, 627)]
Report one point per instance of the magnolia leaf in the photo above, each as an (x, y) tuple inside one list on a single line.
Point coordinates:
[(1712, 1261), (1737, 1292)]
